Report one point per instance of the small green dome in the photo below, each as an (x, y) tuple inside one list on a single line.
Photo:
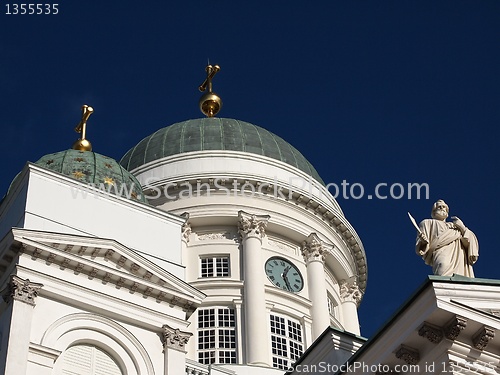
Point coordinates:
[(94, 169), (215, 134)]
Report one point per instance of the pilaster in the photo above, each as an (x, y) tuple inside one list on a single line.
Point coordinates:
[(174, 348), (20, 295)]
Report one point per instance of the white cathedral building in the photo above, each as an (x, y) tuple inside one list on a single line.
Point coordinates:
[(212, 247)]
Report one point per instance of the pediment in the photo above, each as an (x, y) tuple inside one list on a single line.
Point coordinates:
[(108, 262)]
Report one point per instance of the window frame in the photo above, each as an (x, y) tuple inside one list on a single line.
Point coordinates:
[(287, 340), (212, 264), (217, 340)]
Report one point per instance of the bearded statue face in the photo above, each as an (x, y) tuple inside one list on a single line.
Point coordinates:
[(440, 210)]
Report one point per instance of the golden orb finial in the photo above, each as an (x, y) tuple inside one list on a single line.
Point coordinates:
[(210, 102), (82, 143)]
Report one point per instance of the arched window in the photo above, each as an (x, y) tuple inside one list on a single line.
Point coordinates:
[(88, 360)]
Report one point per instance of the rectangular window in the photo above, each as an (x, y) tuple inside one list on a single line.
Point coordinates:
[(286, 341), (216, 335), (215, 266), (332, 306)]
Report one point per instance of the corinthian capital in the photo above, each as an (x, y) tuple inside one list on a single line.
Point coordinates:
[(21, 290), (314, 249), (252, 225), (349, 291), (174, 338), (186, 231)]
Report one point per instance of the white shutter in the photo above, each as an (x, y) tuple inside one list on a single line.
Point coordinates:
[(88, 360)]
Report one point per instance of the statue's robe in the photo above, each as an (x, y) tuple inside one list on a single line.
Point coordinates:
[(448, 250)]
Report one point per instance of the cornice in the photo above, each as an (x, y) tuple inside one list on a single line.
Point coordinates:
[(131, 276), (292, 297), (78, 247), (216, 283)]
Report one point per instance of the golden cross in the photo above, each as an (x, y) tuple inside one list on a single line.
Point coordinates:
[(82, 125), (83, 144), (211, 71)]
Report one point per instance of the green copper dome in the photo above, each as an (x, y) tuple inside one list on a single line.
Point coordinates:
[(215, 134), (94, 169)]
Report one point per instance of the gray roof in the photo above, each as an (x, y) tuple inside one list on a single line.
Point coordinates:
[(215, 134)]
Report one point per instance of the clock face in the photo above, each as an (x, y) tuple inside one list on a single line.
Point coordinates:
[(284, 274)]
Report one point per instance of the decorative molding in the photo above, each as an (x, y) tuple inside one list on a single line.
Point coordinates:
[(250, 225), (350, 292), (188, 306), (79, 268), (431, 332), (282, 246), (84, 248), (174, 338), (174, 301), (162, 296), (186, 231), (51, 258), (410, 355), (36, 254), (21, 290), (121, 261), (454, 327), (313, 249), (134, 268), (120, 282), (93, 273), (218, 236), (482, 337), (65, 264)]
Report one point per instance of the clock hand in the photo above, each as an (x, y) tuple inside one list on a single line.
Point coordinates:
[(285, 278)]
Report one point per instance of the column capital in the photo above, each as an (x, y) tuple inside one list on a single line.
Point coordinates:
[(21, 290), (350, 292), (250, 225), (314, 249), (186, 231), (174, 338)]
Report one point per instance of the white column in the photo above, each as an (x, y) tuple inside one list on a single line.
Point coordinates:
[(20, 295), (351, 297), (252, 230), (174, 350), (314, 252)]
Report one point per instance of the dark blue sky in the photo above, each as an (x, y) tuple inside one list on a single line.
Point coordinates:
[(369, 91)]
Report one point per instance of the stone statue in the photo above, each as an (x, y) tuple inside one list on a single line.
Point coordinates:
[(449, 247)]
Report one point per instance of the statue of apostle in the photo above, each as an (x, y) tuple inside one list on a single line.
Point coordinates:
[(449, 247)]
